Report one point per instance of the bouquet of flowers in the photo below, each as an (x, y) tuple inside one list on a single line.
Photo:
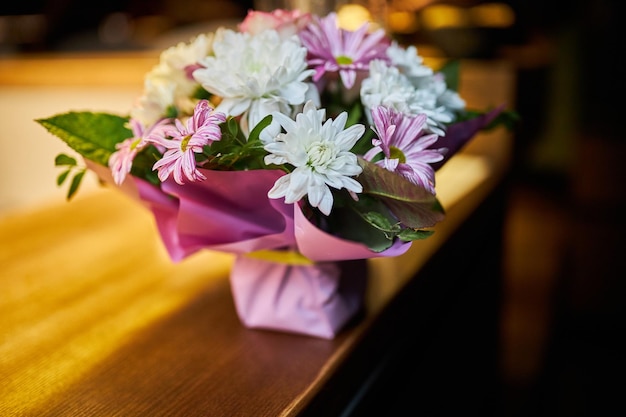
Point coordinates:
[(288, 133)]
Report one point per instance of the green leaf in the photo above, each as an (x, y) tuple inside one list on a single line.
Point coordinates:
[(171, 112), (201, 94), (379, 221), (364, 143), (143, 163), (75, 184), (451, 70), (412, 205), (409, 235), (254, 135), (64, 160), (234, 151), (232, 126), (367, 221), (357, 228), (92, 135), (509, 119), (63, 176), (355, 114)]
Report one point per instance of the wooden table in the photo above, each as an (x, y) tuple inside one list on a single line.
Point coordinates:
[(96, 321)]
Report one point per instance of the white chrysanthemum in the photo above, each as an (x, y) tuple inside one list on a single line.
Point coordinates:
[(255, 75), (451, 100), (176, 60), (447, 98), (438, 102), (386, 86), (320, 152), (408, 61), (183, 54), (152, 105), (169, 83), (424, 101)]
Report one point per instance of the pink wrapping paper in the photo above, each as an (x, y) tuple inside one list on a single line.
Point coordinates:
[(228, 212), (315, 300), (213, 215)]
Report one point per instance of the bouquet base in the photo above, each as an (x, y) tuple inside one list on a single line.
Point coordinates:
[(316, 299)]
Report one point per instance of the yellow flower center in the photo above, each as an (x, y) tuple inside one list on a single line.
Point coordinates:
[(184, 143), (343, 60), (320, 154), (395, 153), (134, 143)]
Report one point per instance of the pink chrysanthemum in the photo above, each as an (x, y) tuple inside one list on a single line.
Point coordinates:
[(286, 22), (332, 49), (405, 147), (121, 161), (184, 141)]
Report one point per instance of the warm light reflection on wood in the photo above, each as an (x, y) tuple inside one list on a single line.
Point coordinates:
[(60, 315)]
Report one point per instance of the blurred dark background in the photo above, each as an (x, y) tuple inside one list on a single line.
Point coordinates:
[(565, 268)]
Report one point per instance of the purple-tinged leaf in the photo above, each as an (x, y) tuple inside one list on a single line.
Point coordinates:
[(411, 204)]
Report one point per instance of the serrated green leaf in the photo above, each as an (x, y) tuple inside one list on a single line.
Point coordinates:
[(62, 177), (412, 205), (92, 135), (75, 184), (64, 160)]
